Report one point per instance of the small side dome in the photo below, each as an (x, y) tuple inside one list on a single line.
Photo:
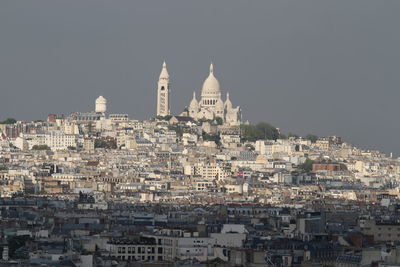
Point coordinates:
[(228, 103), (194, 105)]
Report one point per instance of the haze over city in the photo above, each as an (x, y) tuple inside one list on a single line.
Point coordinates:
[(199, 133)]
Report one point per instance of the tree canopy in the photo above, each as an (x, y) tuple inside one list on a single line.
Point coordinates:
[(212, 137), (110, 144), (164, 118), (260, 131), (307, 165), (313, 138), (218, 120), (41, 147), (9, 121)]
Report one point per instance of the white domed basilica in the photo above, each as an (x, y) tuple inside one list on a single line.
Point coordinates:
[(211, 105)]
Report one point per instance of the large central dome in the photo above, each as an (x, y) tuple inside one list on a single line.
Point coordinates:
[(211, 85)]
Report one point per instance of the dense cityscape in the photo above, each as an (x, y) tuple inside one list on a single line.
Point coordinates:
[(200, 188)]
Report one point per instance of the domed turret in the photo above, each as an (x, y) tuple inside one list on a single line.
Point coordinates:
[(194, 105), (219, 108), (211, 85), (101, 105), (228, 103)]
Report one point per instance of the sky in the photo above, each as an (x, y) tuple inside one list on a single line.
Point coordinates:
[(305, 66)]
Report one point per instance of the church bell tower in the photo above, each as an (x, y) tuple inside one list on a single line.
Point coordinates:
[(163, 92)]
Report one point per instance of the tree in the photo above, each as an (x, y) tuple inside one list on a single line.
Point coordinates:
[(17, 242), (260, 131), (293, 135), (164, 118), (212, 137), (343, 167), (313, 138), (177, 128), (98, 143), (307, 165), (203, 120), (41, 147), (219, 120), (9, 121), (109, 143)]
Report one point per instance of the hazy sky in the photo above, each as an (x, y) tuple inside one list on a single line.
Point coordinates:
[(324, 67)]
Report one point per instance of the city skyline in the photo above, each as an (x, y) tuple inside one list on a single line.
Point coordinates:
[(175, 112), (205, 133), (321, 68)]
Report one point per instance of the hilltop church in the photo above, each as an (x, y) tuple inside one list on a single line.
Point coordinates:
[(208, 107)]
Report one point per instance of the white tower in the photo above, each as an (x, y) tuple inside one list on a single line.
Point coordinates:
[(101, 105), (163, 92)]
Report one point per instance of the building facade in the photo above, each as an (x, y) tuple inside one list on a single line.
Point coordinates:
[(211, 105)]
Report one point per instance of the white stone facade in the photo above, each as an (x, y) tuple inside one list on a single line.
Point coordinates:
[(211, 105), (163, 93), (101, 105)]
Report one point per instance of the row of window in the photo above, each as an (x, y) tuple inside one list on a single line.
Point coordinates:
[(140, 250), (389, 235), (209, 102), (388, 229), (152, 258)]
